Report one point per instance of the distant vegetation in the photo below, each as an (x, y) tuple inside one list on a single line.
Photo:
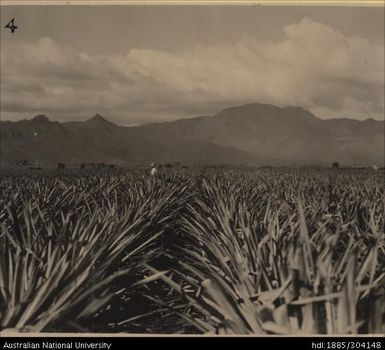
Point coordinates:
[(336, 165)]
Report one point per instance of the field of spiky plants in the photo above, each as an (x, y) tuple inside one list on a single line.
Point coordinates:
[(273, 251)]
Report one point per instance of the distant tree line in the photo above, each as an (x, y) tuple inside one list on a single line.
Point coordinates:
[(177, 165), (97, 166), (89, 166)]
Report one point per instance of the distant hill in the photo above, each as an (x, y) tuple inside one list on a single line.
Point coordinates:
[(282, 136), (98, 140), (254, 134)]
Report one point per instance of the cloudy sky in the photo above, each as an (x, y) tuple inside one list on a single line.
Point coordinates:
[(136, 64)]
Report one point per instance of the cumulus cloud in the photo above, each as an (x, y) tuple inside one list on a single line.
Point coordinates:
[(314, 66)]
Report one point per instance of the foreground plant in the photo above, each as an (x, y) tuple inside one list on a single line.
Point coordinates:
[(245, 268), (62, 265)]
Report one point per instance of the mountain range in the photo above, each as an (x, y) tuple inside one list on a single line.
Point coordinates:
[(250, 135)]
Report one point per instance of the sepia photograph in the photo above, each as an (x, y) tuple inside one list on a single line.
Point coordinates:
[(184, 169)]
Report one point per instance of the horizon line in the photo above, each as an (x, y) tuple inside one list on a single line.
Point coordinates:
[(2, 119)]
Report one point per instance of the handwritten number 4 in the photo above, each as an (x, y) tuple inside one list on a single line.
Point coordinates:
[(11, 25)]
